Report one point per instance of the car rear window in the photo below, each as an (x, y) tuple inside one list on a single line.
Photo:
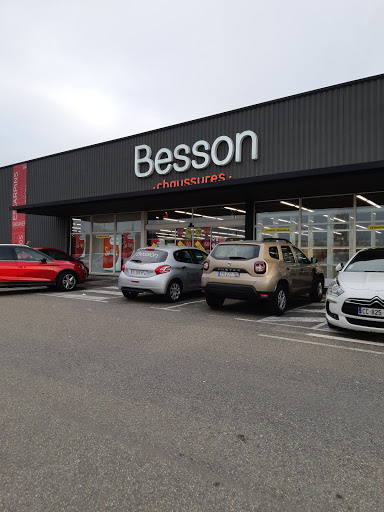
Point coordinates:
[(367, 261), (149, 256), (235, 252)]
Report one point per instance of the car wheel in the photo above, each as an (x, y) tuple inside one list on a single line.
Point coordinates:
[(278, 303), (316, 294), (214, 301), (130, 295), (173, 292), (66, 281)]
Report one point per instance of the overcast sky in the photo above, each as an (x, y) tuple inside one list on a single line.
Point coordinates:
[(81, 72)]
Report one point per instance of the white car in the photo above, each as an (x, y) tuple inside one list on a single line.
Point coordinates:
[(355, 299)]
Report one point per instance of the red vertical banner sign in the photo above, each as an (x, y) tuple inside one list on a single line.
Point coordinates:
[(19, 196)]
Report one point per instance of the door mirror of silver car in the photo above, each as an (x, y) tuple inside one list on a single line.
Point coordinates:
[(339, 267), (313, 260)]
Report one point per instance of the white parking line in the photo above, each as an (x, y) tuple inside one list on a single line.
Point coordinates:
[(309, 310), (312, 305), (78, 297), (323, 344), (338, 338), (100, 290), (294, 319), (263, 321), (164, 309)]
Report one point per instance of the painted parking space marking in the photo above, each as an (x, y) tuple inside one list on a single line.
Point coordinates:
[(107, 292), (352, 340), (265, 321), (293, 319), (168, 308), (322, 344), (322, 310), (65, 295)]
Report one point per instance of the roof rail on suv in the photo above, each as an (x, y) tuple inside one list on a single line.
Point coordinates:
[(273, 239)]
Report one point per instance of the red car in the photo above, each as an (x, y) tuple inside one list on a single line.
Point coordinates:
[(21, 265), (56, 254)]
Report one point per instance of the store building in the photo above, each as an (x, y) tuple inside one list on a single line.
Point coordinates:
[(308, 167)]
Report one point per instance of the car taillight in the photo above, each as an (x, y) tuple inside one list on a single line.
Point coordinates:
[(123, 267), (163, 269), (206, 264), (260, 267)]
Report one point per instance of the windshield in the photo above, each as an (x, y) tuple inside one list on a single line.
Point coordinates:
[(367, 261), (235, 252)]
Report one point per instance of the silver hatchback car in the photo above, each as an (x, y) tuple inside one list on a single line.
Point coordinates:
[(163, 270)]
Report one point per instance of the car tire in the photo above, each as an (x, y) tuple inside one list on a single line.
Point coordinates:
[(66, 281), (174, 291), (278, 303), (129, 295), (214, 301), (316, 293)]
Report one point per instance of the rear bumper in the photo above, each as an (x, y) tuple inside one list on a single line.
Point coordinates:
[(236, 291)]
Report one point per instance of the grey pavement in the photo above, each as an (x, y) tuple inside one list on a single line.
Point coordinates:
[(146, 406)]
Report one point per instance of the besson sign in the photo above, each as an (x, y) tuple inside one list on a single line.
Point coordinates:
[(180, 161)]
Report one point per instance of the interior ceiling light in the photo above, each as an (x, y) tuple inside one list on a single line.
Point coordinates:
[(338, 233), (362, 227), (232, 229), (282, 220), (368, 201), (234, 209), (297, 206), (209, 217), (340, 220), (186, 213), (73, 218), (174, 220)]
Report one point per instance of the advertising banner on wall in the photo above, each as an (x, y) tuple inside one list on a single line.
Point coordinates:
[(19, 196)]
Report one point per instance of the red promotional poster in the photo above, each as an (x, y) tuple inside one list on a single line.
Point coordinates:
[(206, 231), (79, 246), (108, 254), (180, 232), (19, 194), (188, 243), (128, 245)]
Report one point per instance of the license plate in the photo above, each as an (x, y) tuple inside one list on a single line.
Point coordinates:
[(371, 312), (229, 274), (138, 273)]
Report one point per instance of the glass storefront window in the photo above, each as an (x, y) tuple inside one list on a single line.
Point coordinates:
[(201, 227), (103, 223), (278, 219), (321, 226), (369, 220), (128, 236), (80, 238)]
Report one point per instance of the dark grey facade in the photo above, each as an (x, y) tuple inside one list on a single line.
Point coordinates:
[(324, 141)]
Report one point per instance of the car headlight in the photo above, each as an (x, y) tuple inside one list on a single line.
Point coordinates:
[(335, 289), (81, 266)]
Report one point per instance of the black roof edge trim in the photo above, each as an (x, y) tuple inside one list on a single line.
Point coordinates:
[(240, 181)]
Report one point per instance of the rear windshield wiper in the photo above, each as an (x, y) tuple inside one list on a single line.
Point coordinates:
[(137, 261), (373, 270), (237, 258)]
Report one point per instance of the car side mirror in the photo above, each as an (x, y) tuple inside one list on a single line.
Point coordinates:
[(339, 267), (43, 260), (313, 260)]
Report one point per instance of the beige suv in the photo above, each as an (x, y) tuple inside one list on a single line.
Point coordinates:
[(270, 270)]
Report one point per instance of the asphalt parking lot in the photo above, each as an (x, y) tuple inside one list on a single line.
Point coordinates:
[(116, 404)]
